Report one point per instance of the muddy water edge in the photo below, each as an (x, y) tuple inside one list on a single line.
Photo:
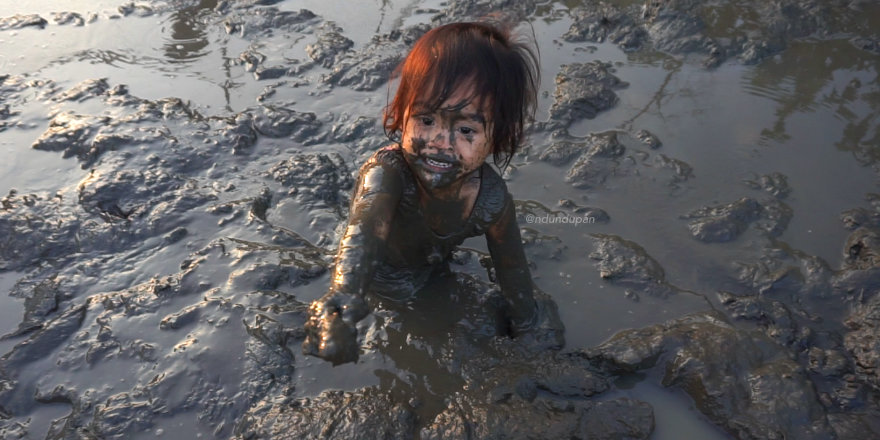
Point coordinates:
[(698, 195)]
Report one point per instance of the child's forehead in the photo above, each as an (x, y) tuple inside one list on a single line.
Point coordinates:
[(447, 105), (461, 99), (466, 107), (440, 92)]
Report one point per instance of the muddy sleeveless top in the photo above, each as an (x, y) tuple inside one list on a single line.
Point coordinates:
[(414, 252)]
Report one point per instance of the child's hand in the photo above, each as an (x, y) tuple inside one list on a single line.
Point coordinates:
[(330, 331), (543, 330)]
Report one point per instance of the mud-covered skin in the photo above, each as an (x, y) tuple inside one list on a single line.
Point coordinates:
[(444, 147), (330, 331), (412, 213), (391, 247), (432, 180)]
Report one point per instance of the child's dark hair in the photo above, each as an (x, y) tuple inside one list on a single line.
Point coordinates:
[(504, 74)]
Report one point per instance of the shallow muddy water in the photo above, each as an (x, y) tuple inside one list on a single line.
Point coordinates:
[(178, 171)]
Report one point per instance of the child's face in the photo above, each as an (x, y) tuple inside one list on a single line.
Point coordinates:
[(444, 146)]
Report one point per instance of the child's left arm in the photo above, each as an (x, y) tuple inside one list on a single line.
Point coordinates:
[(511, 266), (531, 311)]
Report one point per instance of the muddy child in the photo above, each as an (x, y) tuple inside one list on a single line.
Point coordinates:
[(465, 91)]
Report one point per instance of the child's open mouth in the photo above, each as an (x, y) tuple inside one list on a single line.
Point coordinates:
[(439, 164)]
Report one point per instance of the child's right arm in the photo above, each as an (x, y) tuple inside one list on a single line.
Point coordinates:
[(330, 330)]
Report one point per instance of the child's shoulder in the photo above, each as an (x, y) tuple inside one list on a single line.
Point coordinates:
[(388, 165), (492, 182), (390, 159), (391, 155)]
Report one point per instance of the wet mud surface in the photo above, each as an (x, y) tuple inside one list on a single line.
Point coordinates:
[(176, 177)]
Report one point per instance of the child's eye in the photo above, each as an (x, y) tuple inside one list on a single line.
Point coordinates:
[(426, 120), (466, 130)]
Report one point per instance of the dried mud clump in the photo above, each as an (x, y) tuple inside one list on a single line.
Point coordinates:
[(626, 264), (316, 177), (722, 223), (255, 23), (541, 418), (600, 160), (692, 28), (331, 45), (106, 330), (603, 155), (19, 21), (371, 66), (863, 341), (775, 184), (363, 414), (583, 90), (740, 380), (600, 22)]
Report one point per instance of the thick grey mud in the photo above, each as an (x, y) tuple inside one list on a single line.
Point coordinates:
[(176, 178)]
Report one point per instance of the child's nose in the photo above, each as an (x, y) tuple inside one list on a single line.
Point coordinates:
[(440, 140)]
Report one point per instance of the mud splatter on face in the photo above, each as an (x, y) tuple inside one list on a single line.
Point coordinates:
[(454, 114), (445, 145), (431, 177), (418, 144)]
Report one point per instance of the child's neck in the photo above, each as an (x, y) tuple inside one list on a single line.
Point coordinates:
[(446, 208), (457, 190)]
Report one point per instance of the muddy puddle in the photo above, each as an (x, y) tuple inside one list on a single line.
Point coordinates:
[(698, 194)]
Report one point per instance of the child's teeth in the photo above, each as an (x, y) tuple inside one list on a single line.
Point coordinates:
[(439, 164)]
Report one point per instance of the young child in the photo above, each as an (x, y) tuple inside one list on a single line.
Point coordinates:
[(465, 91)]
